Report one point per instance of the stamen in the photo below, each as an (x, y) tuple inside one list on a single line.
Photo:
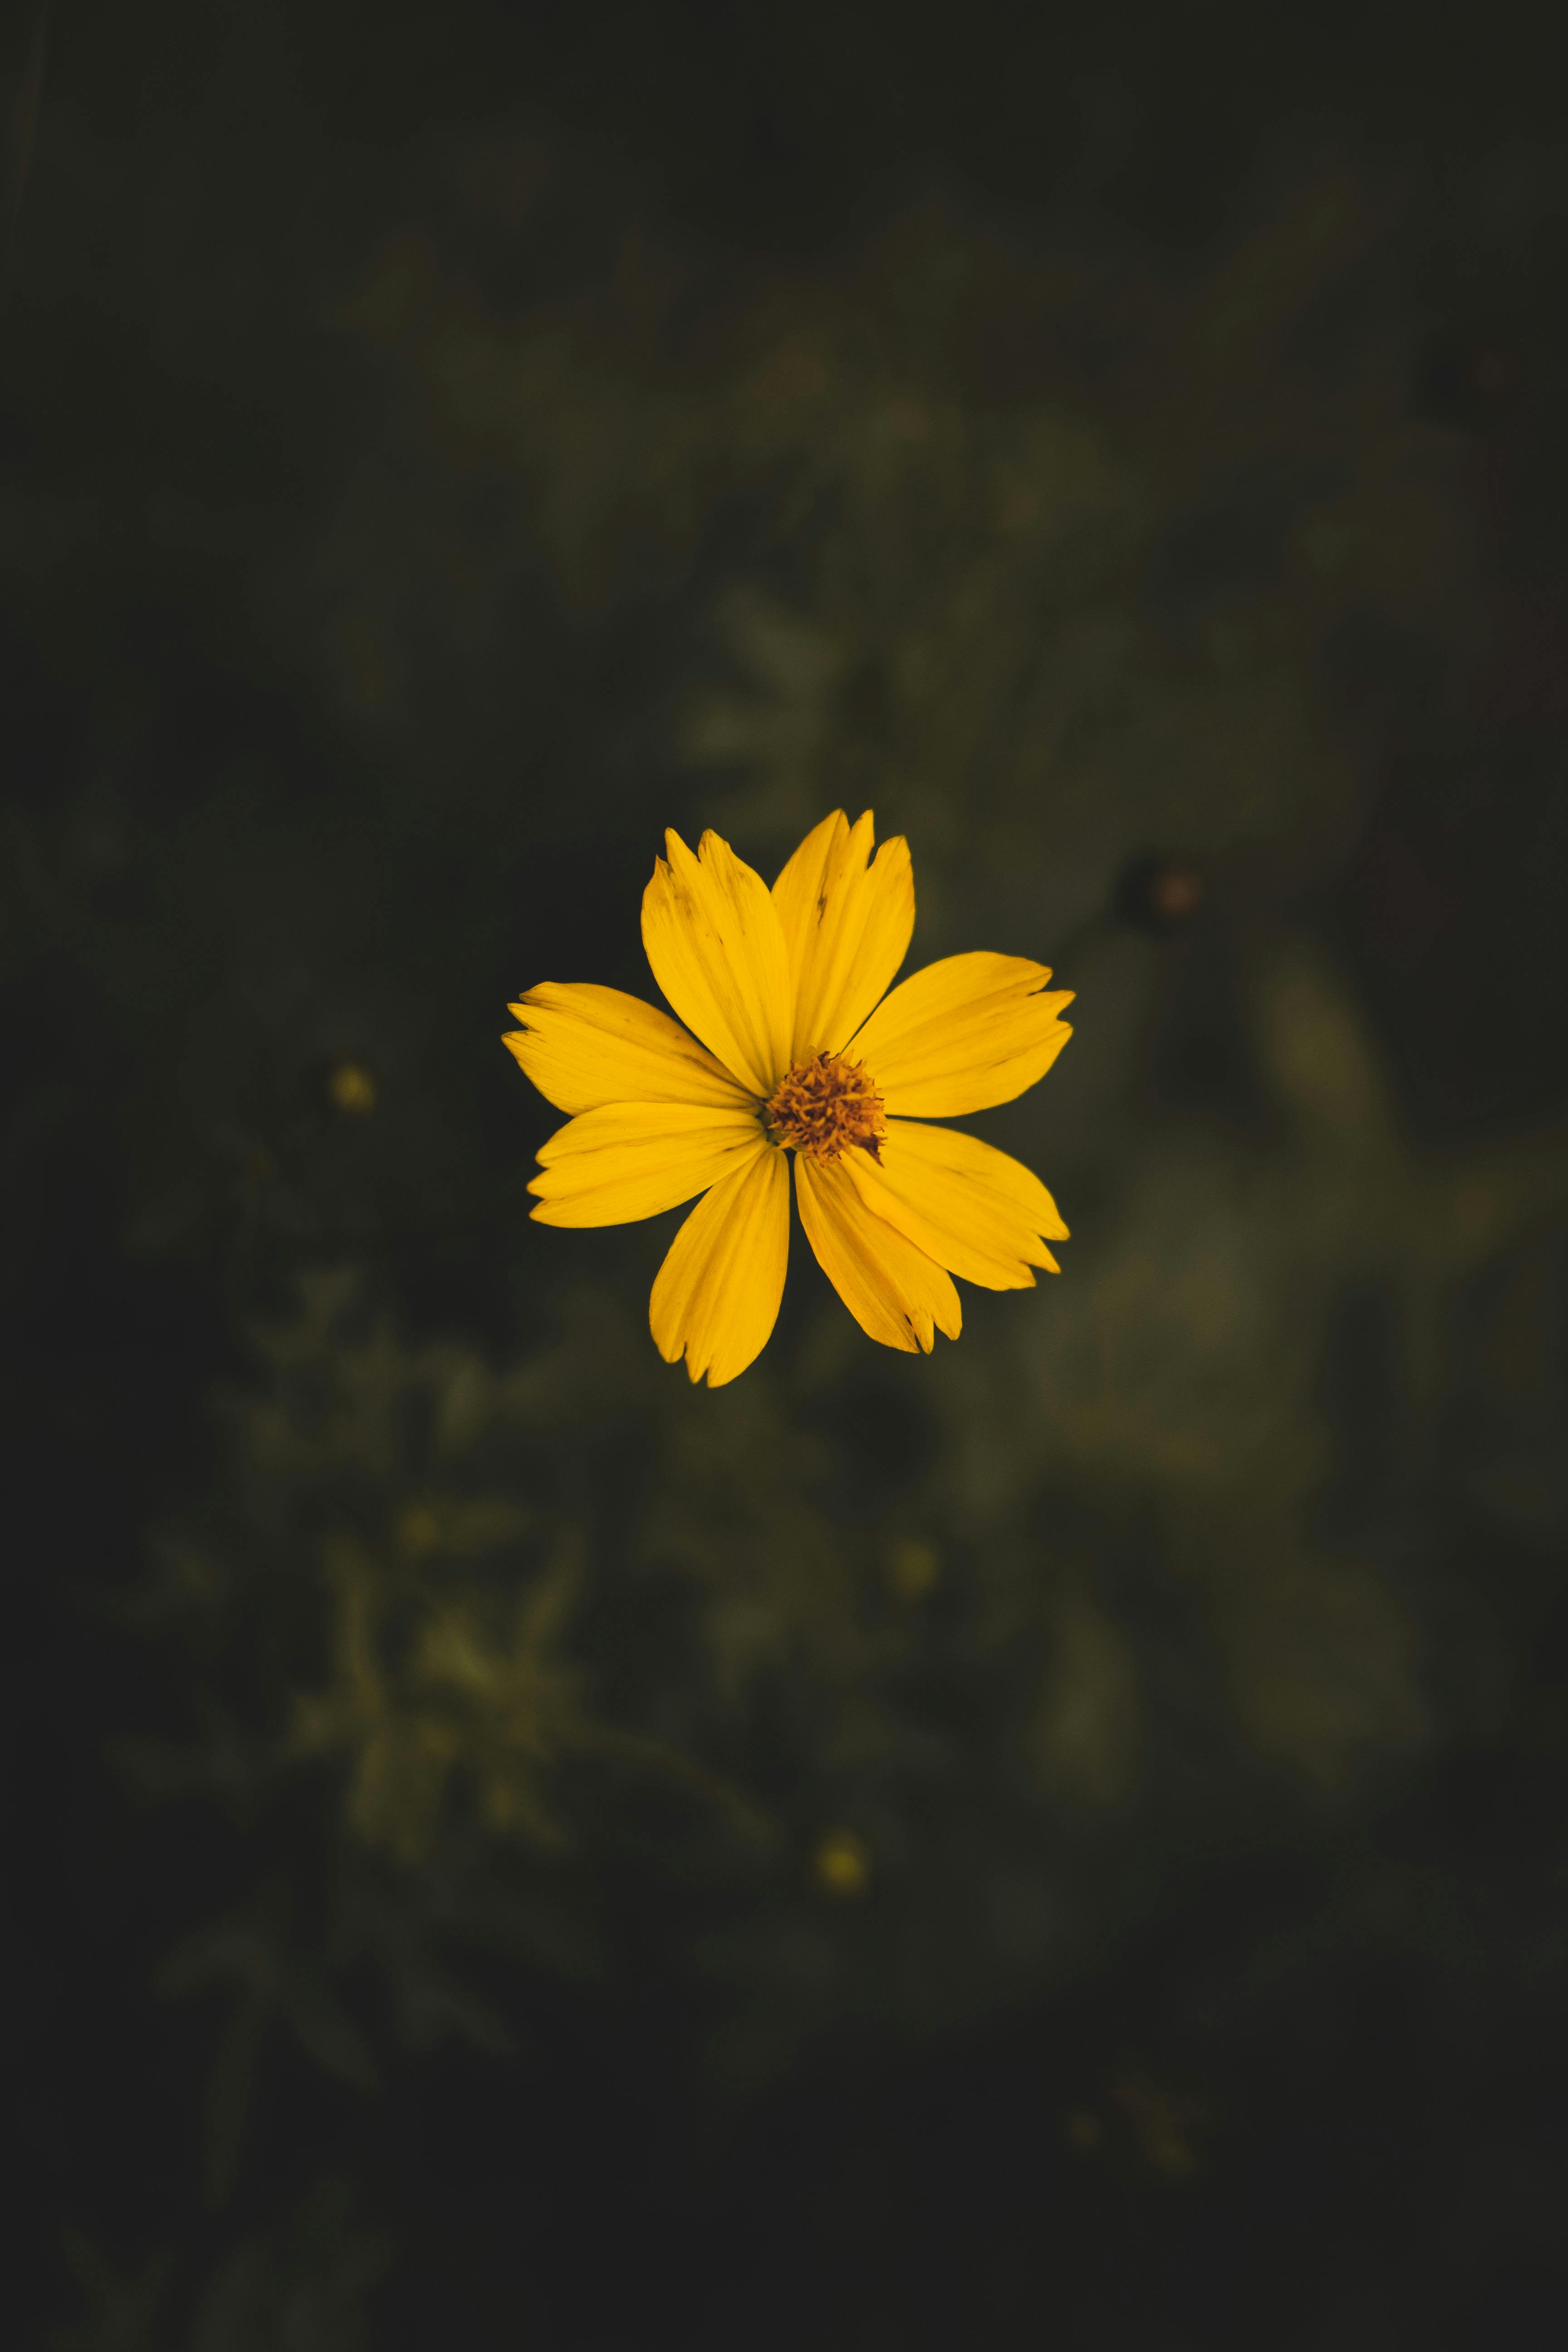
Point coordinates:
[(825, 1107)]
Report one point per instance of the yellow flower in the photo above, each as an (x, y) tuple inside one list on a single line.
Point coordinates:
[(802, 1051)]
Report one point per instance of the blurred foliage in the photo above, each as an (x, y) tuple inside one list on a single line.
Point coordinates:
[(869, 1704), (303, 2284)]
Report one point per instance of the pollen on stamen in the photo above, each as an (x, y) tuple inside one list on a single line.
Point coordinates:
[(825, 1107)]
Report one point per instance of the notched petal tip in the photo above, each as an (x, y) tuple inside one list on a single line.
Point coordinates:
[(848, 918), (585, 1046), (712, 938), (962, 1035), (897, 1293), (629, 1160), (716, 1297), (975, 1209)]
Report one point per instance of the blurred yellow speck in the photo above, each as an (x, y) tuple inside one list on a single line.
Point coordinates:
[(352, 1089), (913, 1569), (1083, 2128), (841, 1863)]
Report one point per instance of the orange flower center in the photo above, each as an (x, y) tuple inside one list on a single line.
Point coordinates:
[(824, 1106)]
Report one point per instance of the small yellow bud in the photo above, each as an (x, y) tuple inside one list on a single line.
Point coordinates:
[(841, 1864), (352, 1089)]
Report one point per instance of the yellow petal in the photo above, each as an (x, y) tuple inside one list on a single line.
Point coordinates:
[(894, 1291), (971, 1208), (584, 1045), (967, 1032), (626, 1161), (847, 928), (713, 939), (716, 1299)]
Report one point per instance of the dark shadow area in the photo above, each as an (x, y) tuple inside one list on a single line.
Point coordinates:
[(1057, 1839)]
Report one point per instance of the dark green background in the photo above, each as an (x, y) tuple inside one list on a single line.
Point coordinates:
[(440, 450)]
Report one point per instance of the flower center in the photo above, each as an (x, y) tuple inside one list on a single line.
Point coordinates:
[(824, 1106)]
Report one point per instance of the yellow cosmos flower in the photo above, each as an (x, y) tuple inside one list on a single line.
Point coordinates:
[(802, 1050)]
